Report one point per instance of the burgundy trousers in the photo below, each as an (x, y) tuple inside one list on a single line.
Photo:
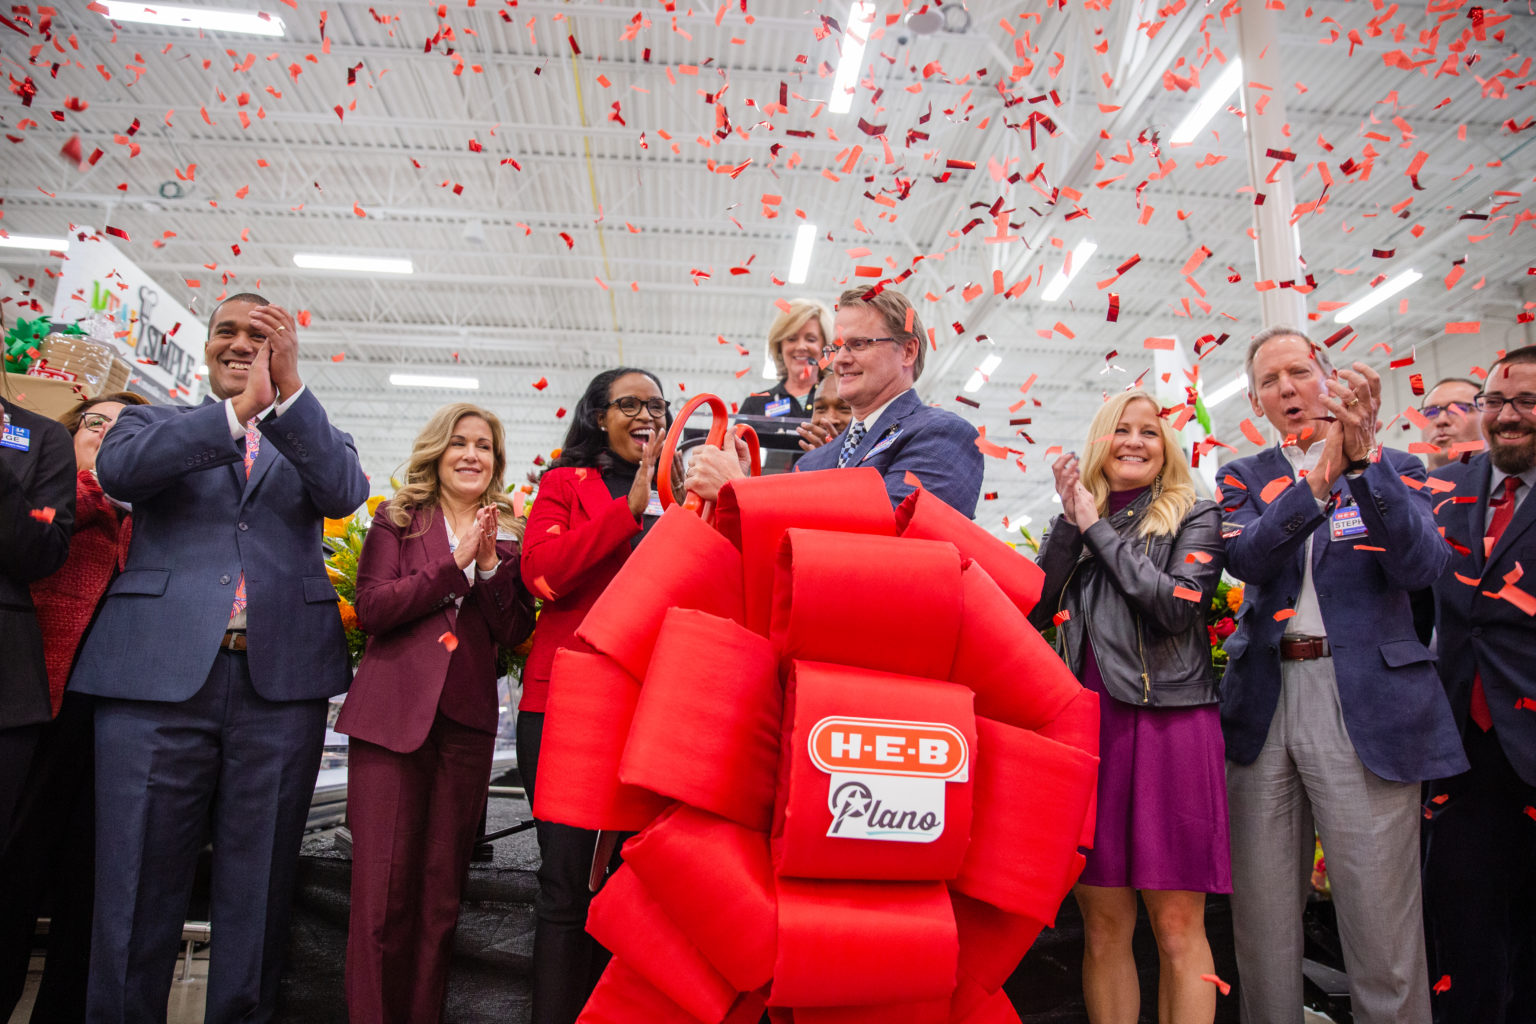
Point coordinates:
[(413, 819)]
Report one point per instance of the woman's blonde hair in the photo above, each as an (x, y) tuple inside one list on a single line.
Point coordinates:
[(423, 490), (1173, 491), (788, 324)]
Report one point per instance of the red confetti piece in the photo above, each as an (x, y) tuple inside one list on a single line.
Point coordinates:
[(1214, 980), (968, 401), (1274, 488), (43, 515), (1114, 307), (1444, 984), (449, 641), (1284, 613), (1416, 381), (116, 232), (1188, 594), (541, 384), (1251, 432), (1464, 327), (1525, 704), (1060, 617), (338, 357)]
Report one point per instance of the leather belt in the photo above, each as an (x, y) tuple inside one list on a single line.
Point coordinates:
[(234, 640), (1304, 648)]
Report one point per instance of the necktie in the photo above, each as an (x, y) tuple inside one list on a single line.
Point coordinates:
[(1503, 512), (856, 434), (252, 449)]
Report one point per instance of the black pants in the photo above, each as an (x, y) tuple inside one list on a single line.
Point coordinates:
[(566, 960), (1480, 890), (51, 857)]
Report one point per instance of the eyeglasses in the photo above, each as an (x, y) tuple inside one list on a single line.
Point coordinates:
[(95, 422), (630, 406), (856, 345), (1454, 408), (1524, 404)]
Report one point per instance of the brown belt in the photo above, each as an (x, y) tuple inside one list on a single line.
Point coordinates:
[(1303, 648), (234, 640)]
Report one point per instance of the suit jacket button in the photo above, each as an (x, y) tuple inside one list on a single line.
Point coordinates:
[(245, 526), (224, 579)]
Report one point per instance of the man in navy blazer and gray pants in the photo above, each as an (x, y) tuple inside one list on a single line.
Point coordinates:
[(1331, 709), (1480, 856), (878, 358), (212, 659)]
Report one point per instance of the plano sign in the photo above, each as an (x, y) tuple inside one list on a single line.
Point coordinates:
[(887, 777), (159, 337)]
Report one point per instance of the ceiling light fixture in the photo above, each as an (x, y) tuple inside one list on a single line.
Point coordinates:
[(418, 380), (770, 371), (861, 17), (251, 23), (980, 374), (1063, 278), (1216, 97), (33, 242), (1226, 391), (800, 262), (1380, 294), (360, 264)]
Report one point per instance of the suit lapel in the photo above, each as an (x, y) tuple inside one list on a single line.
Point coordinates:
[(434, 547), (890, 423), (592, 492)]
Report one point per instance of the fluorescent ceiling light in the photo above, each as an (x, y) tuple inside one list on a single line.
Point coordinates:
[(1380, 294), (251, 23), (1215, 97), (418, 380), (1226, 391), (1059, 283), (800, 262), (361, 264), (979, 376), (861, 18), (33, 242)]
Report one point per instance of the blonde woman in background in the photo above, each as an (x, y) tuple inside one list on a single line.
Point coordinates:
[(797, 340), (1130, 566), (438, 588)]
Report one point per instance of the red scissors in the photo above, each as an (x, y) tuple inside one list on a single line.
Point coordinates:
[(717, 434)]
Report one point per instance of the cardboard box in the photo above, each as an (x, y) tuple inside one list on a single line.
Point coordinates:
[(43, 395)]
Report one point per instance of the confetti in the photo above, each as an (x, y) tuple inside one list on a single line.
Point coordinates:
[(449, 641), (1274, 488), (43, 515), (1188, 594), (1444, 984), (1225, 988)]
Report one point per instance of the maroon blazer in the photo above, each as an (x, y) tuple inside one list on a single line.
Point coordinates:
[(407, 582), (576, 541)]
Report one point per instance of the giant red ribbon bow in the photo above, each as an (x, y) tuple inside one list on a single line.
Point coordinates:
[(859, 777)]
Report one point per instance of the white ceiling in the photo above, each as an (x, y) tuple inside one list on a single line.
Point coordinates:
[(578, 240)]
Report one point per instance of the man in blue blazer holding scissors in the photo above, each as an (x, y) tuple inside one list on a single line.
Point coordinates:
[(877, 360), (1480, 855), (212, 659), (1331, 709)]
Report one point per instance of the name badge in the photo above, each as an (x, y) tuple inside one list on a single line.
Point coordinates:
[(778, 407), (885, 442), (653, 507), (1346, 523), (19, 438)]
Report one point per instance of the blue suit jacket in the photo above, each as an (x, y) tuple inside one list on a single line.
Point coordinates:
[(1479, 633), (934, 445), (1394, 707), (197, 522)]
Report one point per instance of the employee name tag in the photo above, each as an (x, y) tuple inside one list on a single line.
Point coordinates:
[(16, 437), (778, 407), (1346, 523), (653, 507)]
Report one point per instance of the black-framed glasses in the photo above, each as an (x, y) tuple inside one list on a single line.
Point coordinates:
[(1524, 404), (95, 422), (1454, 408), (630, 406), (857, 344)]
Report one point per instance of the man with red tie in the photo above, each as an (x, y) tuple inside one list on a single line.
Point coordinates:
[(1480, 851), (211, 660)]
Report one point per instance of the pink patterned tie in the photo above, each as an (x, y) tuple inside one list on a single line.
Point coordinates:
[(252, 449)]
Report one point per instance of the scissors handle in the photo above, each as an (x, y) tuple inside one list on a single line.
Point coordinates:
[(718, 428)]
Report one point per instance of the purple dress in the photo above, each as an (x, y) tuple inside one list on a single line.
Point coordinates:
[(1162, 808)]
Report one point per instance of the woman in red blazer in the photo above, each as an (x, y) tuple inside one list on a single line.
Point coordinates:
[(437, 591), (593, 506)]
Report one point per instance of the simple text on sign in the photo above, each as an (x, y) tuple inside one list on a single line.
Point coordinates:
[(876, 746)]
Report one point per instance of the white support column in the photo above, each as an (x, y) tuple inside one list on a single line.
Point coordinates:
[(1276, 245)]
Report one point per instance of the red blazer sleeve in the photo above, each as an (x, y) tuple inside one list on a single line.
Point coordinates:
[(389, 596), (504, 600), (560, 545)]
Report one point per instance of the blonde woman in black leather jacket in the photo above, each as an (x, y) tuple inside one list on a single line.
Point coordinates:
[(1130, 567)]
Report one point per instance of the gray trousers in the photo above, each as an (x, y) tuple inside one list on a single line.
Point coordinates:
[(1308, 774)]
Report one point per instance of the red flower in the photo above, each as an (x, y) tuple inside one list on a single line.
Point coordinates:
[(1225, 628)]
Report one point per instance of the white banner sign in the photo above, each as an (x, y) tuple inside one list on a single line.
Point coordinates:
[(158, 336)]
